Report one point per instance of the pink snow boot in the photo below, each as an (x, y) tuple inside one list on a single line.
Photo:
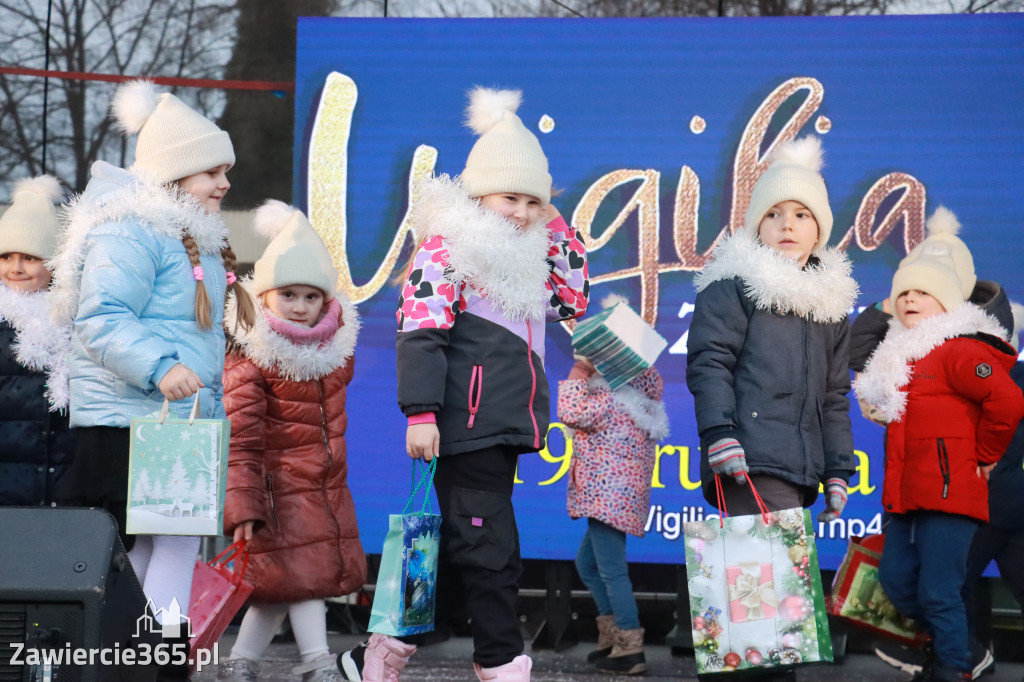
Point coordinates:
[(516, 671)]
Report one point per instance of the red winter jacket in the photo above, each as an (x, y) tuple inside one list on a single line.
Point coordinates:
[(288, 470), (961, 411)]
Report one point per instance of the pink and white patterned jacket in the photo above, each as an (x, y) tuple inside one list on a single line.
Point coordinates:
[(613, 446), (471, 319)]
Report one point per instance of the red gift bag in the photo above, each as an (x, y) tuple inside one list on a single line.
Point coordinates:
[(218, 592), (857, 594)]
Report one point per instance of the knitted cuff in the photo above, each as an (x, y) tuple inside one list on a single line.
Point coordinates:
[(724, 450)]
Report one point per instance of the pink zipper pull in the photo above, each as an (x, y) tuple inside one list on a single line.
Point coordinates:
[(474, 406)]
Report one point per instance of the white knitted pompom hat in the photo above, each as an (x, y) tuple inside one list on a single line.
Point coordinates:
[(507, 157), (794, 175), (296, 253), (174, 140), (30, 225), (941, 265)]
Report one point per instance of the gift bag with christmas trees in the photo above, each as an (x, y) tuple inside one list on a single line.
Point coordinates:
[(405, 597), (177, 474), (756, 599), (857, 593)]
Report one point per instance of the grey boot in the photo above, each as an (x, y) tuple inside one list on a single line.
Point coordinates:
[(238, 670), (323, 669)]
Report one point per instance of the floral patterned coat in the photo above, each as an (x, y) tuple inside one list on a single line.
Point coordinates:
[(614, 446)]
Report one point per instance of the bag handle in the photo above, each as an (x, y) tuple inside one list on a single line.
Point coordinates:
[(762, 507), (234, 551), (192, 416), (427, 476)]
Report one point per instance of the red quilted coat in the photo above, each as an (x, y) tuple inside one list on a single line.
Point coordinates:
[(287, 468), (959, 411)]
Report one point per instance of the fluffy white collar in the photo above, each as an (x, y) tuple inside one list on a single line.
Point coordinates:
[(136, 197), (508, 266), (269, 350), (824, 292), (40, 344), (648, 414), (889, 368)]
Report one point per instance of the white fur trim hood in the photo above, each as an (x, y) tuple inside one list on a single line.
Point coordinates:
[(40, 344), (269, 350), (136, 197), (509, 267), (889, 369), (823, 292), (648, 414)]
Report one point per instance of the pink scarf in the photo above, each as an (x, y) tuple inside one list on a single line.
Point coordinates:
[(301, 335)]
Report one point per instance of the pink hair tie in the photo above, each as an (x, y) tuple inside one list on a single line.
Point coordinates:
[(231, 278), (197, 272)]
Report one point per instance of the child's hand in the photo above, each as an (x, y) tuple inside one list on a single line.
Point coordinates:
[(180, 382), (422, 440), (727, 458), (887, 306), (986, 471), (243, 531), (835, 500)]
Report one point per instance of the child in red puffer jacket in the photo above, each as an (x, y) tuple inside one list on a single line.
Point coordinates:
[(941, 379)]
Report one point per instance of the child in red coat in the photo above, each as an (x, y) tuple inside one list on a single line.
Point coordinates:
[(285, 385), (941, 379)]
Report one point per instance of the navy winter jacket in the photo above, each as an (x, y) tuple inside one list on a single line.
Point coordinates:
[(767, 362)]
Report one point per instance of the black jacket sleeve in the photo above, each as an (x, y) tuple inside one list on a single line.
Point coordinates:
[(866, 333)]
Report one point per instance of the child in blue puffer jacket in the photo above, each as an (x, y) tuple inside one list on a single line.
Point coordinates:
[(141, 275)]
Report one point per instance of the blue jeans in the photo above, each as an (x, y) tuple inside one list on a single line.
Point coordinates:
[(923, 570), (601, 563)]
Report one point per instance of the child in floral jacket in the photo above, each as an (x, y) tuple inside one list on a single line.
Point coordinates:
[(615, 436)]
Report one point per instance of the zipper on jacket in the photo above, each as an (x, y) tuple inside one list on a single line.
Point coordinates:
[(270, 495), (477, 380), (944, 467), (327, 469), (533, 384), (323, 422)]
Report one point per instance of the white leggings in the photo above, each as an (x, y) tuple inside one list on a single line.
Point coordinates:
[(262, 621), (164, 566)]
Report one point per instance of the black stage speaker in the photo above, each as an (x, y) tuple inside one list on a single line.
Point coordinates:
[(66, 586)]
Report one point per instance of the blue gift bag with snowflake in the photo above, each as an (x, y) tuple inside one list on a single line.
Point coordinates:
[(177, 474), (406, 594)]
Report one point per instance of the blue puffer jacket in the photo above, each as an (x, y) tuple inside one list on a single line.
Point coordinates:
[(123, 276)]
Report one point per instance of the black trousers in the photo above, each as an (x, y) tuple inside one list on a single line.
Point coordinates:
[(1007, 548), (98, 475), (479, 564)]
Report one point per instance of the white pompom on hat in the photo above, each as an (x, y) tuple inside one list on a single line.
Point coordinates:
[(174, 140), (507, 157), (296, 253), (30, 225), (941, 265), (794, 174)]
